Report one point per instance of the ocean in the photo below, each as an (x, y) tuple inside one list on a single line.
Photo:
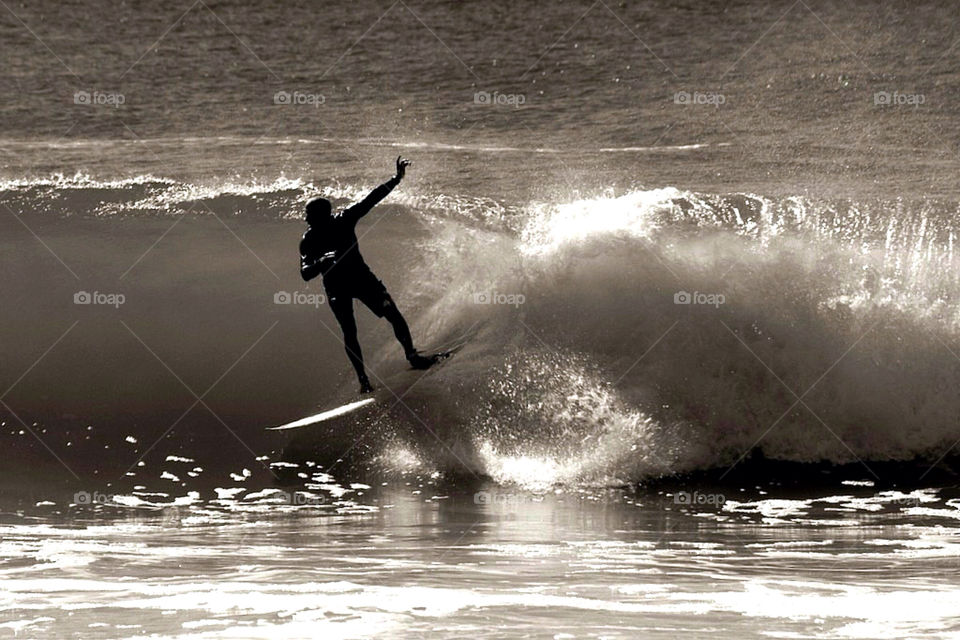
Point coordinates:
[(699, 257)]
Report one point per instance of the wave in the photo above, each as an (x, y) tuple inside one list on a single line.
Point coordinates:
[(282, 198), (810, 333), (31, 145), (625, 336)]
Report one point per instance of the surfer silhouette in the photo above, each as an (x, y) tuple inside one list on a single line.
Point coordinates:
[(329, 248)]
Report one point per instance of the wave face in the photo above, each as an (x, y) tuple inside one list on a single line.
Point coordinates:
[(816, 332), (635, 335)]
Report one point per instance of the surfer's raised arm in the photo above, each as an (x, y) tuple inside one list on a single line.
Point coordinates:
[(363, 207)]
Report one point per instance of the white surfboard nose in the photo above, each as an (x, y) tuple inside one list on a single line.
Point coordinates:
[(326, 415)]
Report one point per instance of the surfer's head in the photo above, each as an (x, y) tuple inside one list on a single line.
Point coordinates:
[(318, 212)]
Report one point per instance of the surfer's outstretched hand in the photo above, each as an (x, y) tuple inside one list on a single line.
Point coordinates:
[(402, 164)]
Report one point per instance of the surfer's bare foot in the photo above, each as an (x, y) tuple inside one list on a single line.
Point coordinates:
[(419, 361), (365, 386)]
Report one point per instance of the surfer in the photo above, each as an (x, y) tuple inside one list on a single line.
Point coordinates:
[(329, 248)]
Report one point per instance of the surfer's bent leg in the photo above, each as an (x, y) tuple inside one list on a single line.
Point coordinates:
[(373, 293), (402, 331), (400, 328), (343, 311)]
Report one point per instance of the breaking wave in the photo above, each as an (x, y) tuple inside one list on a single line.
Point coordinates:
[(640, 334)]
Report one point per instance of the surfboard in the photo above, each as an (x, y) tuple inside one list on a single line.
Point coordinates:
[(326, 415), (381, 394)]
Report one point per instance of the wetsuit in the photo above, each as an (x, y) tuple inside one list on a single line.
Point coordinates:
[(331, 250)]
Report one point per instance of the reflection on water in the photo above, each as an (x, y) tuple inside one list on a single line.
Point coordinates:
[(415, 557)]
